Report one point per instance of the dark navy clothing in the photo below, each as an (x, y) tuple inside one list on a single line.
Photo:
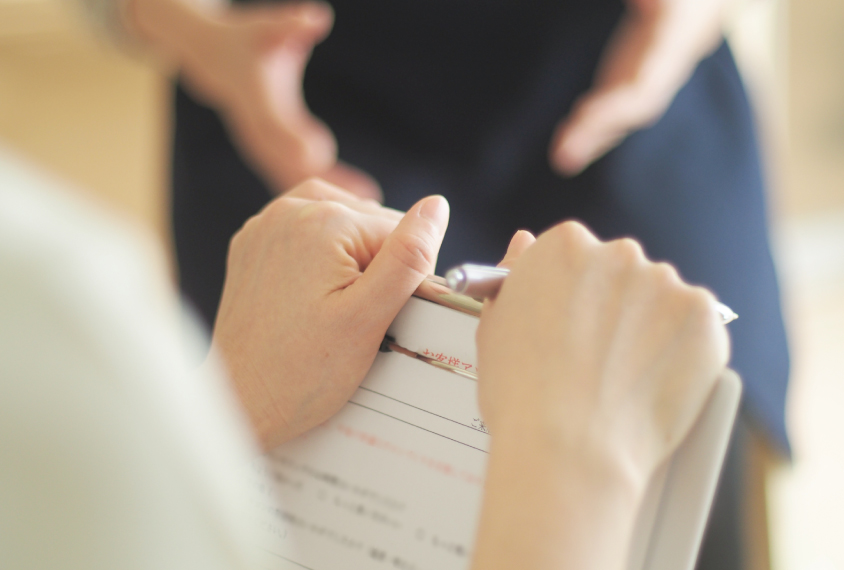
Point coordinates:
[(460, 97)]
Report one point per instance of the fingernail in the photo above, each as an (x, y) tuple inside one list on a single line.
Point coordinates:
[(435, 209), (516, 241), (522, 235)]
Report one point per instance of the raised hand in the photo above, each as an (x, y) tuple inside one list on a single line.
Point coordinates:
[(248, 62), (649, 57)]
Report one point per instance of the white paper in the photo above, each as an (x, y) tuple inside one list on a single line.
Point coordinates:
[(395, 479)]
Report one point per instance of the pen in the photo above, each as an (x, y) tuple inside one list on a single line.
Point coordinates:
[(483, 282)]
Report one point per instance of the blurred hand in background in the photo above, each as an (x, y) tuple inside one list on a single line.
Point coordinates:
[(248, 63), (650, 56)]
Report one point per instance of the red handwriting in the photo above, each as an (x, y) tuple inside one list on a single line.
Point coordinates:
[(450, 360), (442, 467)]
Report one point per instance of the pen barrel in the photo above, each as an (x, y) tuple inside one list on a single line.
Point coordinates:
[(483, 282), (478, 281)]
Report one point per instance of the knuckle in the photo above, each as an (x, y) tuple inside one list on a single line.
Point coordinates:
[(251, 224), (573, 229), (276, 211), (570, 234), (627, 251), (568, 244), (322, 213), (239, 242), (313, 184), (699, 303), (237, 239), (312, 188), (665, 275), (413, 251)]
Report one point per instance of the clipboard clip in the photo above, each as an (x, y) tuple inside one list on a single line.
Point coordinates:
[(389, 345), (435, 290)]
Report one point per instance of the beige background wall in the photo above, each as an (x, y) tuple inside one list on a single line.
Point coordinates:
[(815, 66), (99, 119), (85, 111)]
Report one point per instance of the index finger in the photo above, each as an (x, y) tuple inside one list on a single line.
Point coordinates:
[(317, 189), (520, 241)]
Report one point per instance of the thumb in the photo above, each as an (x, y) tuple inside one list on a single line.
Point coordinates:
[(407, 256)]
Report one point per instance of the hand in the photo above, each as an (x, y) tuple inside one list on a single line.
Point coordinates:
[(248, 62), (594, 365), (614, 355), (649, 57), (312, 283)]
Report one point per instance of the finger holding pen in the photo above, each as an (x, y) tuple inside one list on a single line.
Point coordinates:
[(484, 282), (519, 243), (600, 313), (595, 362)]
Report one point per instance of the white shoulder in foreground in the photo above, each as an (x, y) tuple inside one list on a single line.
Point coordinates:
[(115, 453)]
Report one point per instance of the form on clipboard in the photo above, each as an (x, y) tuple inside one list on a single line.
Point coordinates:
[(395, 479)]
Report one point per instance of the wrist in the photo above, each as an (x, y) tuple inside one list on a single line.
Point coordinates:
[(586, 459), (581, 507)]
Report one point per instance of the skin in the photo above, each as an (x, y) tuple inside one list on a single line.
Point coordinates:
[(649, 57), (595, 362), (248, 63), (312, 283)]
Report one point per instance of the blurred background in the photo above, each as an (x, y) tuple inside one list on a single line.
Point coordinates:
[(98, 117)]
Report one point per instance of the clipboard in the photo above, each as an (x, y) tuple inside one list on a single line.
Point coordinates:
[(395, 479)]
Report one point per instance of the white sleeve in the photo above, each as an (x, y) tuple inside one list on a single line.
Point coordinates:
[(113, 452)]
